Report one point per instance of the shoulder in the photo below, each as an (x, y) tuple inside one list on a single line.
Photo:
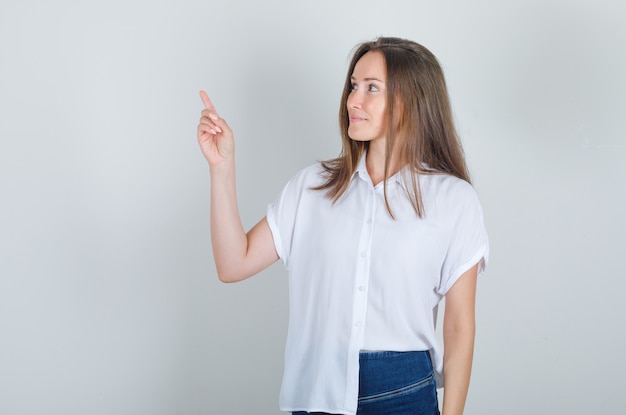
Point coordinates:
[(449, 194), (296, 195), (310, 176), (448, 186), (304, 180)]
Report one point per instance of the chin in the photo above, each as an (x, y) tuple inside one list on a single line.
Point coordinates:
[(357, 137), (360, 140)]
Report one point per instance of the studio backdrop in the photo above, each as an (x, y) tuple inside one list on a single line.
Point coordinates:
[(109, 299)]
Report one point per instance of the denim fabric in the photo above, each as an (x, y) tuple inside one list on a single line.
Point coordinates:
[(395, 383)]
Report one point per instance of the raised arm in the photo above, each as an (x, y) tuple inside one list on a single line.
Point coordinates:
[(458, 338), (238, 255)]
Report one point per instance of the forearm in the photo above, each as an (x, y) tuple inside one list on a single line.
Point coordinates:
[(238, 255), (457, 363)]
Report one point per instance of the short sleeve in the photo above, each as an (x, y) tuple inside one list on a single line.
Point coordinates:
[(282, 213), (468, 242)]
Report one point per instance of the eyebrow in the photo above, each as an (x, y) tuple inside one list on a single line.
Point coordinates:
[(352, 78)]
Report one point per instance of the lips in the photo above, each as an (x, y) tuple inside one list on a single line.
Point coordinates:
[(356, 118)]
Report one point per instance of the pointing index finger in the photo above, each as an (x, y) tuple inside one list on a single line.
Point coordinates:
[(207, 102)]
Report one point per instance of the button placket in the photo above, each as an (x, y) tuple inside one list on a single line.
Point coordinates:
[(363, 267), (361, 283)]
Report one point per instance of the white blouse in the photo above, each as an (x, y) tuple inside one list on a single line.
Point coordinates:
[(360, 280)]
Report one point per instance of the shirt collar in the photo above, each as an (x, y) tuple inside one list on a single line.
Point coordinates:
[(361, 171)]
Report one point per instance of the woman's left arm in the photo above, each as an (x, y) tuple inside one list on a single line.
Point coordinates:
[(458, 337)]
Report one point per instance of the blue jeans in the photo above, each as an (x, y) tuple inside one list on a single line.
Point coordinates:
[(396, 383)]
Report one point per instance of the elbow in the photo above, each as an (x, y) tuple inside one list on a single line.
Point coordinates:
[(226, 277), (458, 341), (463, 330), (230, 276)]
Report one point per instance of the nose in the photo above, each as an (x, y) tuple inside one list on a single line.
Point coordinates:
[(354, 99)]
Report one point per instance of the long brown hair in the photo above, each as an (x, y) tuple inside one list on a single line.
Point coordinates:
[(419, 122)]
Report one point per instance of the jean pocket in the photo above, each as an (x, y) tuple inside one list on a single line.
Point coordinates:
[(399, 392)]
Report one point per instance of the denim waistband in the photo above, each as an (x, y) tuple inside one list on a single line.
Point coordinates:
[(387, 354)]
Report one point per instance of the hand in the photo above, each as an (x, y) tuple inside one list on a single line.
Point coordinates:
[(214, 135)]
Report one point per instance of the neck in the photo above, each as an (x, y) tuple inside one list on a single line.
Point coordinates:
[(375, 163)]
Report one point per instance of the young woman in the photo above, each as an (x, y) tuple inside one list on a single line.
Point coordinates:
[(372, 240)]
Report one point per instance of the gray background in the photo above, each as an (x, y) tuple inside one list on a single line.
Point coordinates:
[(109, 302)]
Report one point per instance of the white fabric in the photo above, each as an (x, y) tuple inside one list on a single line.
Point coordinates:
[(360, 280)]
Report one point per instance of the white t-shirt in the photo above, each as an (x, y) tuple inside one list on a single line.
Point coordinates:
[(360, 280)]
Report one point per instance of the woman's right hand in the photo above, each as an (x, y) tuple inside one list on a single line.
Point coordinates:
[(214, 135)]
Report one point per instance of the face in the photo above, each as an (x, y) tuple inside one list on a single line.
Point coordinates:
[(367, 102)]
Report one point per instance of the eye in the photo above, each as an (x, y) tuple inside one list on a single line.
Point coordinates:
[(355, 87), (372, 88)]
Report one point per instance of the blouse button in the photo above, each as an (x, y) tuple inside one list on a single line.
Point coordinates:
[(363, 253)]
